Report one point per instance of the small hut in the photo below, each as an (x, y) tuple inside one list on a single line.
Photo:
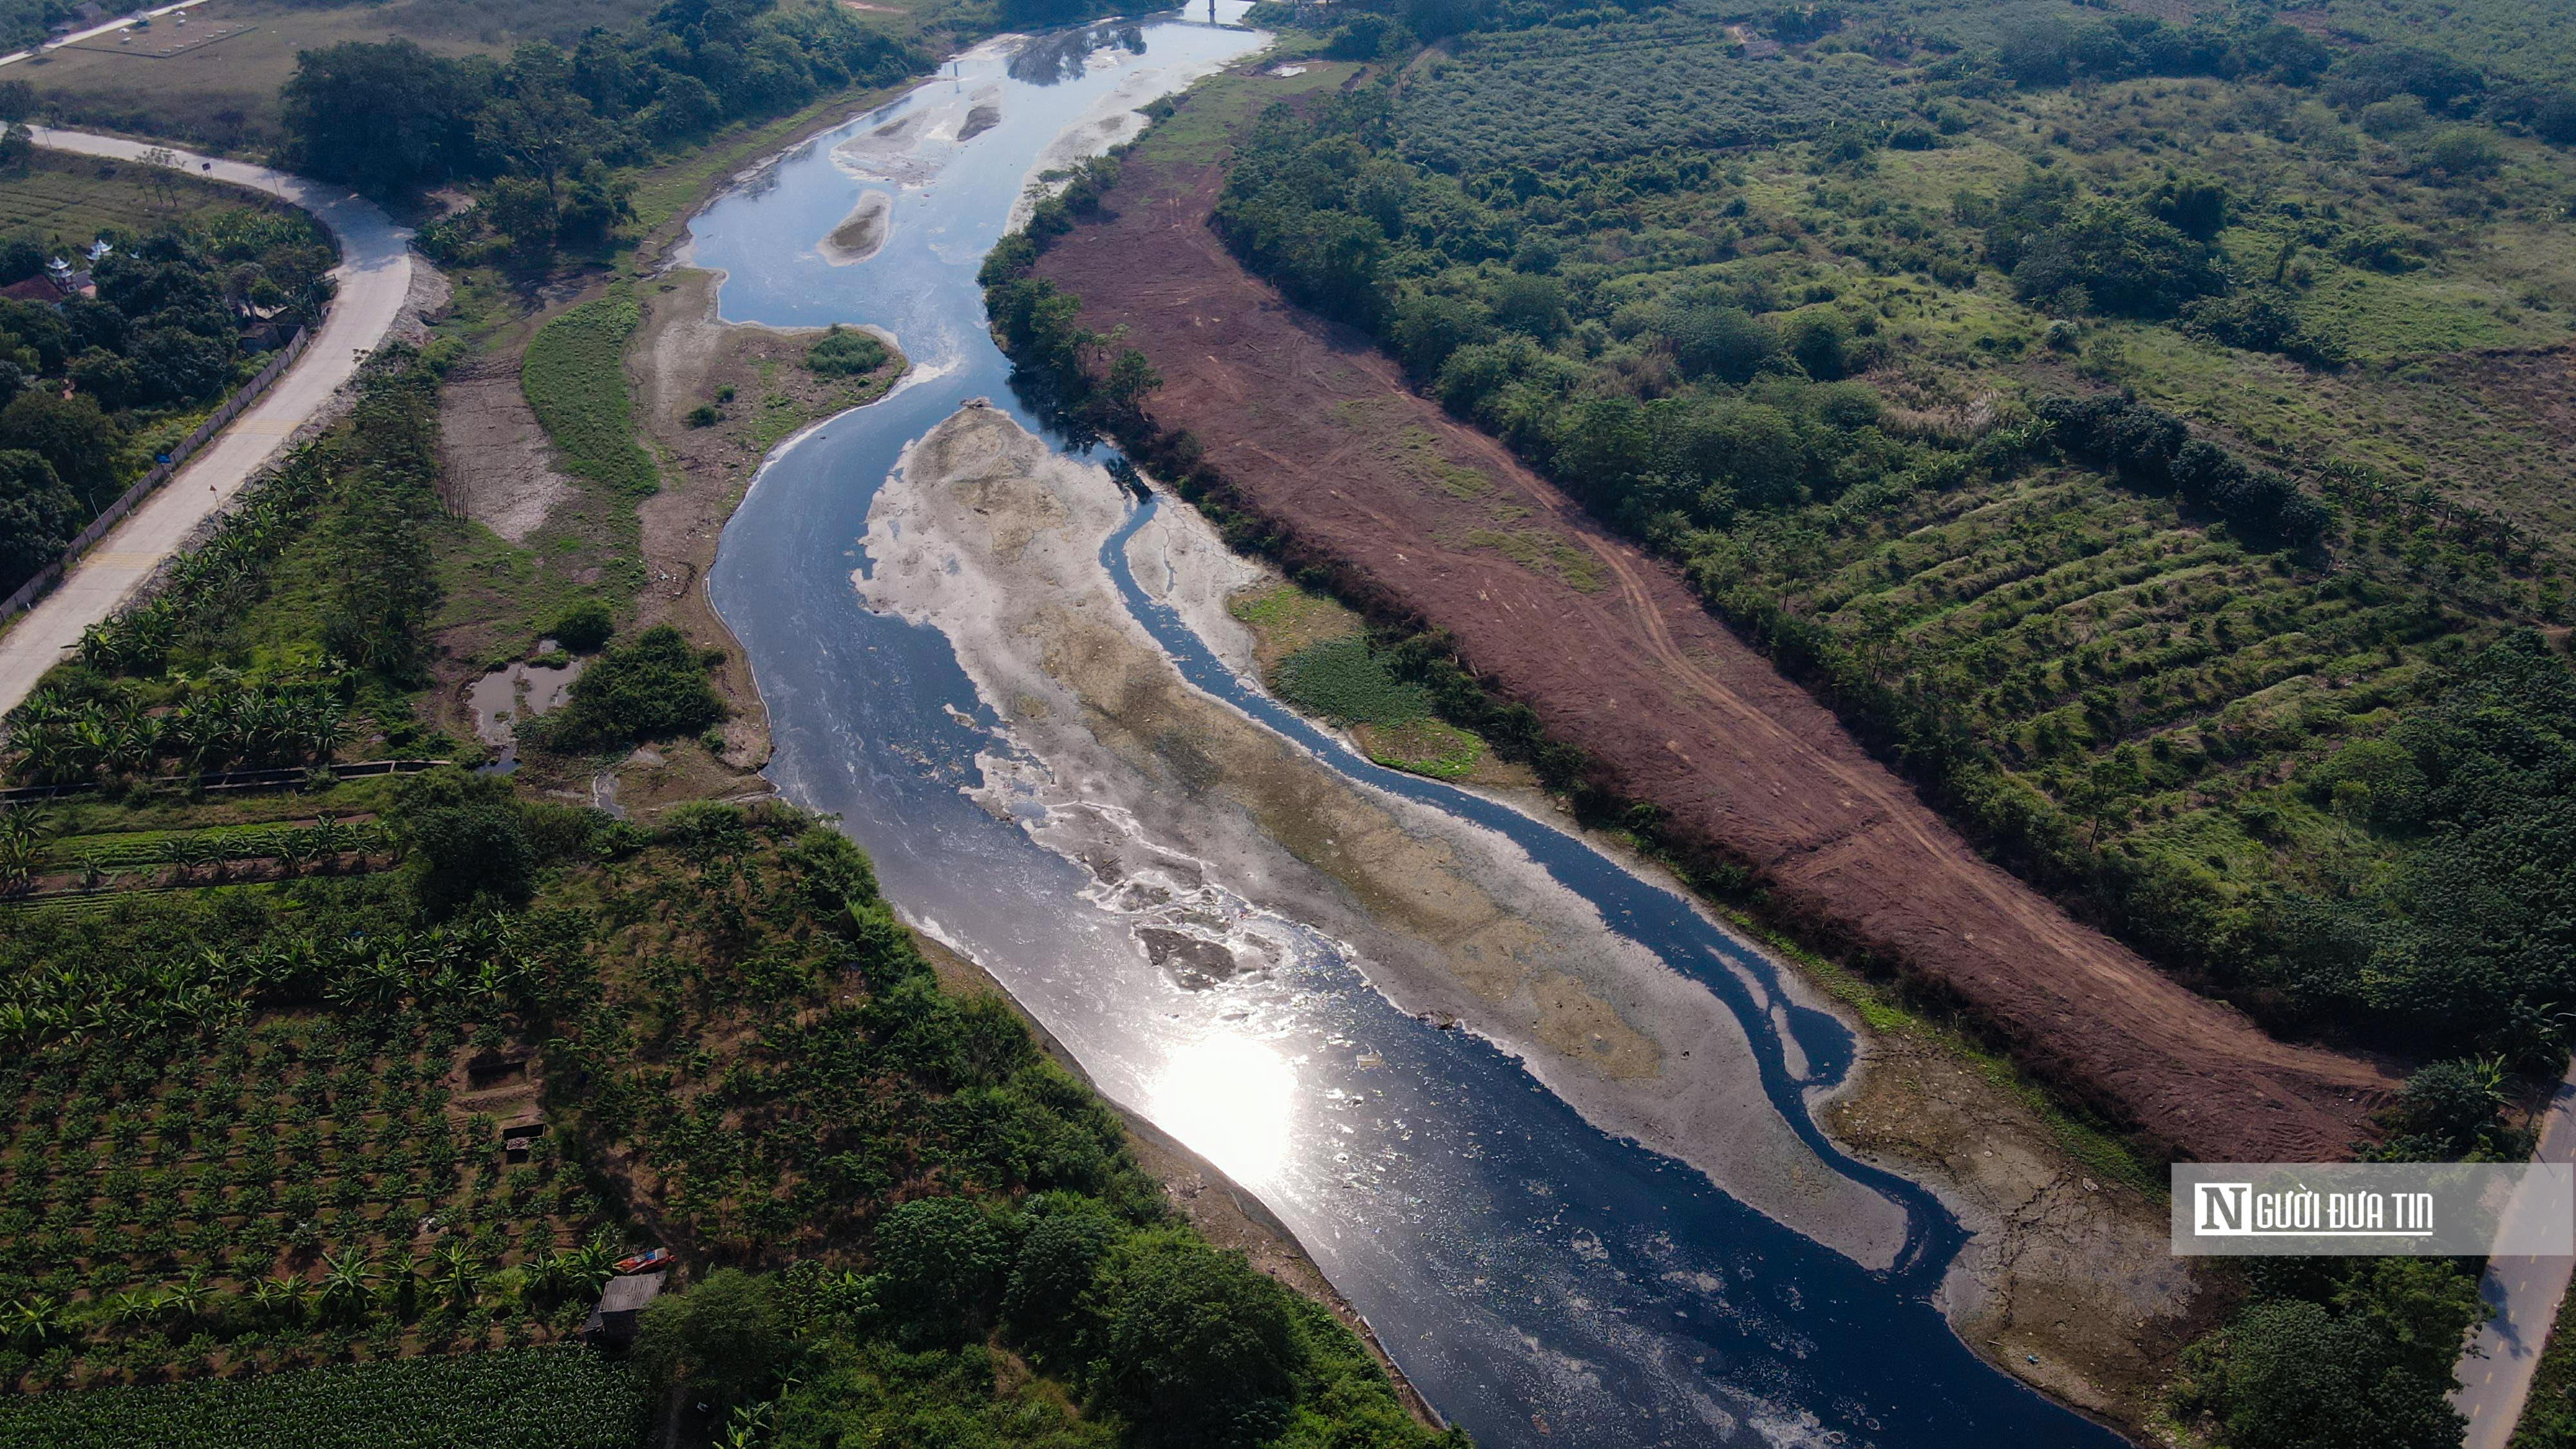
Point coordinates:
[(613, 1323)]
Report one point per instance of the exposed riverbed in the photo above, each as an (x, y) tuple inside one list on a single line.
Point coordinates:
[(1018, 688)]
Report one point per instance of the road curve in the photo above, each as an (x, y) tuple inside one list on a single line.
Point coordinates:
[(2495, 1374), (374, 276)]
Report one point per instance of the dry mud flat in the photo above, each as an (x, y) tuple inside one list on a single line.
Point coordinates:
[(1617, 656), (1162, 792)]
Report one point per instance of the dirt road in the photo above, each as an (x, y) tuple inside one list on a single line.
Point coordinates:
[(374, 275), (1315, 430)]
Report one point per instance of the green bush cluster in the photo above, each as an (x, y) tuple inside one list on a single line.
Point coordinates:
[(2333, 1352), (651, 687), (844, 352), (1346, 681)]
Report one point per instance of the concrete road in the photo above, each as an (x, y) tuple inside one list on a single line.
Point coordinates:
[(2495, 1375), (375, 275)]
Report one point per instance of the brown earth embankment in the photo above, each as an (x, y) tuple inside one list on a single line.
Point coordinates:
[(1312, 430)]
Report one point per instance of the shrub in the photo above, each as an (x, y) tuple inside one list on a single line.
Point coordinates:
[(467, 840), (1346, 682), (584, 627), (940, 1262), (726, 1338), (845, 352), (1196, 1347), (654, 687)]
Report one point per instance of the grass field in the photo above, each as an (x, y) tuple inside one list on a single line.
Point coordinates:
[(576, 382), (69, 200), (225, 94)]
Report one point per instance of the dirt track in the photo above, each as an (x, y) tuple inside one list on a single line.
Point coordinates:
[(1314, 429)]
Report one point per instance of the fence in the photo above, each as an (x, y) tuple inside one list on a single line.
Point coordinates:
[(248, 393), (231, 779)]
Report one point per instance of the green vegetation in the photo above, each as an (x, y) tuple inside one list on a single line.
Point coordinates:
[(2131, 682), (575, 380), (293, 634), (739, 1039), (584, 627), (63, 201), (552, 1398), (2086, 408), (1347, 682), (267, 1176), (92, 388), (545, 133), (654, 687), (1349, 678), (2333, 1352), (845, 352)]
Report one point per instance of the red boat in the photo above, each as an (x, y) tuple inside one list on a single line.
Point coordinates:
[(644, 1262)]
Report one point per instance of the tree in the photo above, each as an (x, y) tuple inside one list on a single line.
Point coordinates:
[(1057, 1262), (467, 840), (385, 118), (1195, 1347), (1130, 378), (1719, 342), (2449, 1109), (2356, 1359), (72, 435), (653, 687), (523, 210), (940, 1262), (38, 516), (540, 127), (726, 1338), (2125, 263)]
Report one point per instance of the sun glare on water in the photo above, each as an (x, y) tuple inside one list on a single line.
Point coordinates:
[(1228, 1098)]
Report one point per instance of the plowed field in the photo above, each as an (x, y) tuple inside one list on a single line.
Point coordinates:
[(1316, 431)]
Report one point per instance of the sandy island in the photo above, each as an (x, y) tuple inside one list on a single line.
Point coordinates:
[(987, 535), (862, 233)]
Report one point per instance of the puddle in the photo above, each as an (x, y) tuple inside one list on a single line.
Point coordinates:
[(503, 697)]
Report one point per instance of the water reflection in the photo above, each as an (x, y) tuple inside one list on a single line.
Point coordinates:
[(1229, 1098), (1045, 60)]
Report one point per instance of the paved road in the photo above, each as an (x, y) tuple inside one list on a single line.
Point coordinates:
[(374, 275), (2525, 1293)]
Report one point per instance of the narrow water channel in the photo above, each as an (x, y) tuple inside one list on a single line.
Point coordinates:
[(1541, 1281)]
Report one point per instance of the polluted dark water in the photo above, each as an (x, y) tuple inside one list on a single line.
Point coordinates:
[(1542, 1282)]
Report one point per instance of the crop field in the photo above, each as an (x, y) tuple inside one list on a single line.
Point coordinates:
[(303, 1183), (67, 201), (552, 1398), (2157, 683), (1545, 97), (225, 94)]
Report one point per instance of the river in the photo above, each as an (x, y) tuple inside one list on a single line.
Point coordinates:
[(1542, 1281)]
